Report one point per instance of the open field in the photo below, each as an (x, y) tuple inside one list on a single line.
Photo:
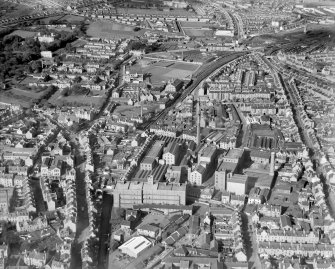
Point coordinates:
[(48, 19), (195, 24), (189, 55), (10, 10), (73, 18), (21, 97), (77, 100), (111, 30), (198, 32), (162, 71), (139, 11), (23, 33)]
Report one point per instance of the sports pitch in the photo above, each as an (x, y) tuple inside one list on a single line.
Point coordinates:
[(163, 71)]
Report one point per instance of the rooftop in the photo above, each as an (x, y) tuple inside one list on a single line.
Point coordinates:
[(136, 244), (237, 178)]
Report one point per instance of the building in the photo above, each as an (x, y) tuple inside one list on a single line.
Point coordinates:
[(46, 38), (258, 196), (260, 156), (207, 154), (171, 153), (128, 194), (175, 174), (148, 163), (197, 176), (232, 156), (287, 236), (148, 230), (38, 223), (34, 258), (173, 87), (6, 180), (237, 184), (5, 196), (135, 246), (224, 170)]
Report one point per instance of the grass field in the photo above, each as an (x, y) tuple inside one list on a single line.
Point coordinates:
[(73, 18), (198, 33), (162, 71), (139, 11), (10, 10), (21, 97), (23, 33), (195, 24), (111, 30), (60, 100)]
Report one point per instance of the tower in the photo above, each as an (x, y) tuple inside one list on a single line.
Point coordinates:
[(141, 110)]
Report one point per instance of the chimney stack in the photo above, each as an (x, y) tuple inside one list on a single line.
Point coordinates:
[(272, 164), (198, 122)]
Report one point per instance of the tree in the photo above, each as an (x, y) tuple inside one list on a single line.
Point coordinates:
[(47, 78), (36, 66), (68, 47), (77, 79), (97, 80)]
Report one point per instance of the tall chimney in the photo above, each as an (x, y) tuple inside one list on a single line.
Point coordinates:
[(272, 164), (198, 122)]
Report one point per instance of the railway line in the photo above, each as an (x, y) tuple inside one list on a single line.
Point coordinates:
[(193, 84)]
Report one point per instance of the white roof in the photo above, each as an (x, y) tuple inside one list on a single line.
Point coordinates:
[(136, 244)]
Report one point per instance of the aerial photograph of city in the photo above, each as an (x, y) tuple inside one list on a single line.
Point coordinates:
[(167, 134)]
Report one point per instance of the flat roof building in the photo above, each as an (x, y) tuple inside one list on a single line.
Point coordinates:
[(131, 193), (237, 184), (135, 246)]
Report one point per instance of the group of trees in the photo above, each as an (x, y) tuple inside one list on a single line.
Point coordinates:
[(75, 90), (61, 40), (18, 55), (15, 53)]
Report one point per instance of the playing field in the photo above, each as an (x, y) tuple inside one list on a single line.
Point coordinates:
[(77, 100), (163, 71), (194, 24), (111, 30), (198, 32)]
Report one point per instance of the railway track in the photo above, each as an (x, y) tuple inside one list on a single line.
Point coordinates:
[(194, 83)]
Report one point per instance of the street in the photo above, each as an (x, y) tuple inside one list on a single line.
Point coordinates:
[(104, 230)]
